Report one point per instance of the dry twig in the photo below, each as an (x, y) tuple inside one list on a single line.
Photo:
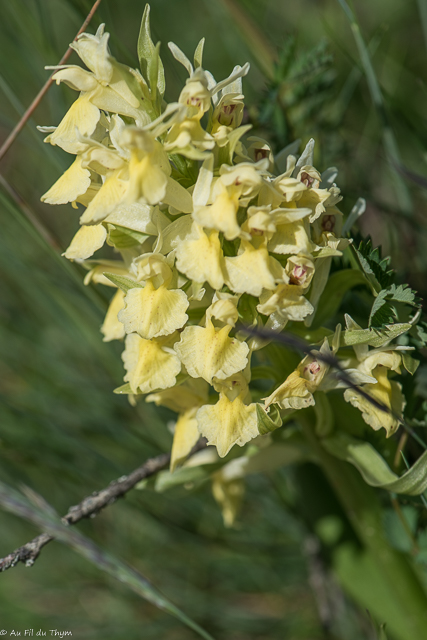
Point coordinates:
[(90, 507), (39, 97)]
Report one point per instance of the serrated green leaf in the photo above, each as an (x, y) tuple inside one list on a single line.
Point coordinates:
[(373, 467), (268, 421), (383, 310), (149, 58), (123, 282), (373, 265), (373, 337)]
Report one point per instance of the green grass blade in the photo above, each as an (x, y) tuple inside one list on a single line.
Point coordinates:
[(389, 140), (43, 516)]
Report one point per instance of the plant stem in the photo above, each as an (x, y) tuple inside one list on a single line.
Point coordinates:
[(403, 590)]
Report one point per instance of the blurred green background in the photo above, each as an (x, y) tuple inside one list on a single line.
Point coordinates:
[(64, 433)]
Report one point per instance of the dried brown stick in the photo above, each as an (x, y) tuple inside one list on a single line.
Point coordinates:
[(91, 506), (35, 103)]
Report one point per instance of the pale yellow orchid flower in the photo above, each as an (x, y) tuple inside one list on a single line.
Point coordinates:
[(71, 185), (150, 364), (228, 423), (112, 328), (208, 352), (200, 257)]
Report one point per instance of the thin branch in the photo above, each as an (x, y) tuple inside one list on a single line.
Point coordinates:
[(91, 506), (39, 97), (299, 344)]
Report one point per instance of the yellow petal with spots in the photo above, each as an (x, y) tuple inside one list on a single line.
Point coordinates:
[(149, 365), (200, 257), (86, 241), (83, 116), (74, 183), (154, 312), (228, 423), (185, 437), (208, 352), (250, 271), (112, 328)]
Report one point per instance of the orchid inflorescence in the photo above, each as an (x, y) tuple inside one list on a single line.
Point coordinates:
[(211, 232)]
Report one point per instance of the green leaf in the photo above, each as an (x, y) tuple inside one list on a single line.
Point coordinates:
[(373, 265), (124, 238), (123, 282), (149, 59), (384, 311), (373, 467), (338, 284), (268, 421), (410, 364), (373, 337), (124, 389), (262, 372)]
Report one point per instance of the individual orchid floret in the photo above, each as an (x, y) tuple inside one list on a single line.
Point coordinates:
[(224, 308), (112, 328), (300, 271), (207, 352), (150, 364), (87, 240), (252, 270), (73, 183), (81, 118), (200, 257), (227, 423), (285, 303), (292, 238), (298, 389), (152, 312), (377, 363), (309, 176), (185, 399)]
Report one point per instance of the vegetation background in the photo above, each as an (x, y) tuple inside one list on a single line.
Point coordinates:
[(63, 432)]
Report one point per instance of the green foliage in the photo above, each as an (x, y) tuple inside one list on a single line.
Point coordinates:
[(301, 87), (384, 310), (373, 467), (149, 59), (268, 421), (373, 265)]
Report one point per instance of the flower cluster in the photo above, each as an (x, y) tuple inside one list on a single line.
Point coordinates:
[(209, 230)]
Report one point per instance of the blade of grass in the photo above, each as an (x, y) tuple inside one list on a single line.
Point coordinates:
[(389, 140), (256, 40), (42, 515), (422, 8)]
